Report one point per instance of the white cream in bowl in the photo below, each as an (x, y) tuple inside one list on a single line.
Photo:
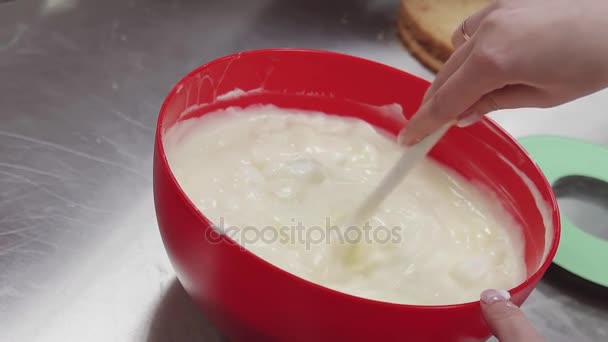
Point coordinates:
[(279, 181)]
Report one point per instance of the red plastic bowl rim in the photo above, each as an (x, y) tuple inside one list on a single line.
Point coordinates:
[(535, 277)]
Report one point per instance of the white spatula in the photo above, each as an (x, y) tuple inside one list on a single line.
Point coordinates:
[(410, 157)]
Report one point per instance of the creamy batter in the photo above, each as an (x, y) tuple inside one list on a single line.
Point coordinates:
[(280, 182)]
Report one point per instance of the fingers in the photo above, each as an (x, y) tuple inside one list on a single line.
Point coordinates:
[(509, 97), (472, 83), (461, 50), (506, 321), (450, 66), (460, 91), (469, 26)]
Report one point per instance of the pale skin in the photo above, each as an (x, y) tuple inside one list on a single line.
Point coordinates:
[(521, 53), (505, 320)]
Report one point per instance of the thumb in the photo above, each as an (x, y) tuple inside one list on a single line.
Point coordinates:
[(506, 321)]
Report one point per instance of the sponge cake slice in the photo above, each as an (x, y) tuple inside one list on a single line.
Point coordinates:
[(426, 27)]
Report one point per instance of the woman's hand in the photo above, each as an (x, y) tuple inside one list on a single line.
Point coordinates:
[(521, 53), (506, 321)]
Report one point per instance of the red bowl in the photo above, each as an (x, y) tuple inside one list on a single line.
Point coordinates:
[(249, 299)]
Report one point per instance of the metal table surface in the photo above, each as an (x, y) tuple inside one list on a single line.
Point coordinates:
[(81, 82)]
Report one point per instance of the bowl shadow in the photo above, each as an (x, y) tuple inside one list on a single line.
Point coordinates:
[(177, 319), (559, 280)]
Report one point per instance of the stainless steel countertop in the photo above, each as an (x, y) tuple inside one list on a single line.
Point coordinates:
[(81, 83)]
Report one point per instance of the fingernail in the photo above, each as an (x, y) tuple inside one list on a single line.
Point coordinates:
[(494, 296), (469, 119)]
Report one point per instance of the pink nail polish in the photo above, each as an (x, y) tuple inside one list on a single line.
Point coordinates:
[(493, 296)]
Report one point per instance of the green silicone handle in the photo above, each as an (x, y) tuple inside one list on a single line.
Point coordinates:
[(579, 252)]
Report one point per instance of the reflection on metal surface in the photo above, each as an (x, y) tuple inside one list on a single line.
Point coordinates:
[(12, 39), (56, 6), (80, 254), (178, 319)]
